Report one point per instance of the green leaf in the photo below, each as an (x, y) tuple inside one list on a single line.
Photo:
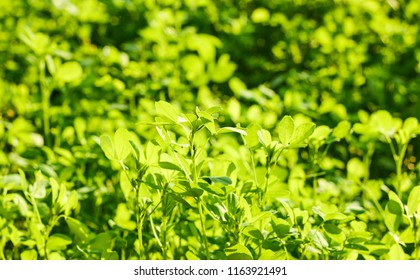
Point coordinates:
[(409, 130), (72, 202), (101, 242), (212, 189), (80, 126), (136, 150), (219, 179), (332, 228), (264, 137), (170, 166), (342, 129), (397, 253), (214, 111), (286, 129), (280, 226), (211, 127), (320, 133), (69, 72), (394, 205), (122, 146), (393, 212), (339, 217), (180, 200), (123, 217), (57, 242), (238, 252), (251, 138), (109, 255), (196, 192), (355, 169), (55, 189), (80, 230), (29, 255), (204, 116), (253, 232), (125, 185), (260, 15), (318, 239), (302, 132), (227, 129), (222, 70), (38, 190), (165, 109), (384, 123), (234, 109), (107, 146), (413, 203)]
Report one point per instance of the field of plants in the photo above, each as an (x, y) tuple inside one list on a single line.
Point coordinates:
[(209, 129)]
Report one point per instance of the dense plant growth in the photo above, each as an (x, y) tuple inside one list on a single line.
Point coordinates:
[(169, 129)]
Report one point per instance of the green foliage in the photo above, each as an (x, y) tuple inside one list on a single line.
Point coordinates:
[(209, 129)]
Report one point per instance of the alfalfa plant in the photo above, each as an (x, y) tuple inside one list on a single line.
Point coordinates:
[(290, 135)]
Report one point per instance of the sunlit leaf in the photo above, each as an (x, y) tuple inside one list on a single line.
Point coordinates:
[(413, 202), (342, 129), (107, 146), (286, 129), (264, 137), (69, 72), (302, 132), (122, 146), (58, 242), (167, 110)]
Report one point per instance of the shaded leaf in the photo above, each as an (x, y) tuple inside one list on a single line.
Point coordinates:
[(238, 252), (80, 230), (219, 179)]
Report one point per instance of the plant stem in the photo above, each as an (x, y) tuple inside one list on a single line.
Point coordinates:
[(139, 218), (367, 161), (46, 94), (140, 233), (164, 222), (195, 183), (203, 228), (267, 177)]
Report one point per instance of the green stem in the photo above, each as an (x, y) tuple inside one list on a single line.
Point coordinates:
[(375, 201), (46, 94), (399, 164), (43, 248), (140, 233), (152, 224), (267, 177), (416, 237), (203, 228), (195, 182), (253, 166), (2, 245), (139, 214), (367, 161), (164, 222), (140, 218)]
